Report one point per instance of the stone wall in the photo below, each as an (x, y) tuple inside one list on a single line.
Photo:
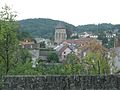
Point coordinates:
[(110, 82)]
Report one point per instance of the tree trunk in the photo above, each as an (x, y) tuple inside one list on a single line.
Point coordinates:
[(98, 67)]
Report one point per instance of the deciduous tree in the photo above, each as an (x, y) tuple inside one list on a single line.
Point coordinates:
[(96, 64), (8, 40)]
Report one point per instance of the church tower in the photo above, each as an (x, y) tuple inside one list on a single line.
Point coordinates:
[(60, 33)]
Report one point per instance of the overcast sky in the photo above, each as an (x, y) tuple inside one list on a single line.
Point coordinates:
[(76, 12)]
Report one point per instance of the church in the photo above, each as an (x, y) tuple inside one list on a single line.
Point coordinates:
[(60, 33)]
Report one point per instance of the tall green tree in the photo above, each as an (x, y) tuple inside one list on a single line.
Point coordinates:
[(96, 64), (8, 40)]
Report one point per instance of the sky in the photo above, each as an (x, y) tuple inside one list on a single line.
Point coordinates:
[(76, 12)]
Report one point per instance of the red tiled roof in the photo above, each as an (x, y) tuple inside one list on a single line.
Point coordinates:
[(79, 41)]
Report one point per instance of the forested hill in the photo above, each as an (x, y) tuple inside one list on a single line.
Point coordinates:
[(95, 28), (43, 27)]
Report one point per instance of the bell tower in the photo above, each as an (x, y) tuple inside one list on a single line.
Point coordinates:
[(60, 33)]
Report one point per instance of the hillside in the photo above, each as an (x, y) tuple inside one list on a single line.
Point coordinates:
[(95, 28), (43, 27)]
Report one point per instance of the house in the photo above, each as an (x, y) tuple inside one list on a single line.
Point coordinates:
[(28, 44), (35, 50), (81, 41), (80, 47), (64, 50), (32, 48), (47, 42), (87, 34), (83, 45), (44, 53)]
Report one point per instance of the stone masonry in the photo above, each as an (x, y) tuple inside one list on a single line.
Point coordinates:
[(109, 82)]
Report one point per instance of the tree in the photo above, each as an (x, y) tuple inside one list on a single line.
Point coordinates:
[(96, 64), (23, 35), (24, 55), (8, 40), (72, 59), (53, 57), (72, 65), (96, 59), (1, 73), (102, 36), (24, 69)]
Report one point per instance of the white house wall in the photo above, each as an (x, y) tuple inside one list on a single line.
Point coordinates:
[(67, 51)]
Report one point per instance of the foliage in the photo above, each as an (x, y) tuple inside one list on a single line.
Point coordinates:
[(53, 57), (23, 35), (23, 69), (43, 27), (110, 43), (72, 59), (95, 28), (8, 40), (8, 50), (93, 46), (102, 36), (117, 26), (92, 64), (96, 60), (96, 64), (24, 55), (106, 42), (2, 72), (1, 82)]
